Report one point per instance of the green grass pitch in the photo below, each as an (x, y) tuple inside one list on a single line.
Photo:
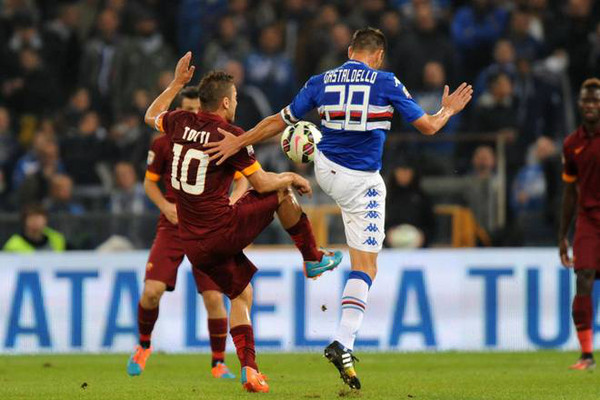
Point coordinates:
[(419, 376)]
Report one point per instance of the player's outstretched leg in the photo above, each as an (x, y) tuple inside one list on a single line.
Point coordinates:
[(582, 317), (147, 316), (354, 303), (217, 331), (297, 225), (243, 338)]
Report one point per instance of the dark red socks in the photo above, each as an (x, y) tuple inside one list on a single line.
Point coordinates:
[(243, 338), (303, 238)]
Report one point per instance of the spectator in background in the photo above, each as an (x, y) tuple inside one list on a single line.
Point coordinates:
[(572, 33), (84, 150), (228, 45), (8, 143), (482, 196), (253, 105), (128, 196), (63, 47), (496, 109), (341, 37), (427, 42), (504, 62), (317, 38), (147, 55), (270, 69), (36, 185), (99, 60), (438, 154), (35, 234), (78, 105), (475, 29), (531, 199), (366, 13), (33, 89), (43, 148), (525, 44), (60, 199), (540, 111), (410, 221), (131, 140)]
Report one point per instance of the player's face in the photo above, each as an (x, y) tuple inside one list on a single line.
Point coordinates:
[(232, 104), (192, 105), (589, 105)]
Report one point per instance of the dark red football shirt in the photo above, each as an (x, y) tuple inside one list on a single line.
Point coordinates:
[(201, 187), (581, 162)]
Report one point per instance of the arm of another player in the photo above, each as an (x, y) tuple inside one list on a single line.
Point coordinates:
[(231, 144), (156, 196), (240, 186), (183, 74), (452, 104), (265, 182)]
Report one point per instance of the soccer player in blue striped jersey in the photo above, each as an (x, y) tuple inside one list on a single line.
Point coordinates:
[(356, 102)]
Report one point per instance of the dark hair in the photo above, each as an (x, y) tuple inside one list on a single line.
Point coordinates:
[(189, 92), (213, 87), (32, 209), (369, 39), (591, 83)]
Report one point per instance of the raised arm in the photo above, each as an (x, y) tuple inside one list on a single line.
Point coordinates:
[(569, 205), (231, 144), (452, 104), (183, 74)]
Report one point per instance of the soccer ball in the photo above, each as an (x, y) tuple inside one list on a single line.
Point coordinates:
[(299, 141)]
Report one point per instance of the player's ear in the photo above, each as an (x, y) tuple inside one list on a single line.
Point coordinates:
[(350, 51), (226, 102)]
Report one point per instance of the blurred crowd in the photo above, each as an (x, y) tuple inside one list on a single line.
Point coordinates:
[(77, 76)]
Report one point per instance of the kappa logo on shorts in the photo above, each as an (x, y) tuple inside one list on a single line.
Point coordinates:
[(372, 214), (371, 241), (149, 266), (372, 193), (371, 228), (372, 204)]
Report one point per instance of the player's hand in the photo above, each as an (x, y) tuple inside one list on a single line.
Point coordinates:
[(223, 149), (456, 101), (183, 71), (302, 185), (563, 248), (170, 211)]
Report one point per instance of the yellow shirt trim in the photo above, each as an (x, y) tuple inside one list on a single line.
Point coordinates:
[(151, 176), (251, 169)]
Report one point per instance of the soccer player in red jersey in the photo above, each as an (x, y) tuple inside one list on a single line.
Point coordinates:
[(581, 153), (214, 232), (167, 254)]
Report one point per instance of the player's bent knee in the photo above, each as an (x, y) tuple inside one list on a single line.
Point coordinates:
[(213, 301), (286, 195), (153, 292)]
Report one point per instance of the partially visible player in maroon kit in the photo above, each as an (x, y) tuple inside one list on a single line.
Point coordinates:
[(581, 175), (167, 254), (214, 232)]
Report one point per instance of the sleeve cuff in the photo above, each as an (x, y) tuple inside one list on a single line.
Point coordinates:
[(287, 116), (151, 176), (568, 178), (251, 169), (158, 122)]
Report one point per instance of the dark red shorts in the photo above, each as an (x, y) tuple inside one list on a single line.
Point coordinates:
[(586, 245), (220, 255), (165, 258)]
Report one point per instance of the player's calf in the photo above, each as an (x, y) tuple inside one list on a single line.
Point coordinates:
[(298, 226)]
